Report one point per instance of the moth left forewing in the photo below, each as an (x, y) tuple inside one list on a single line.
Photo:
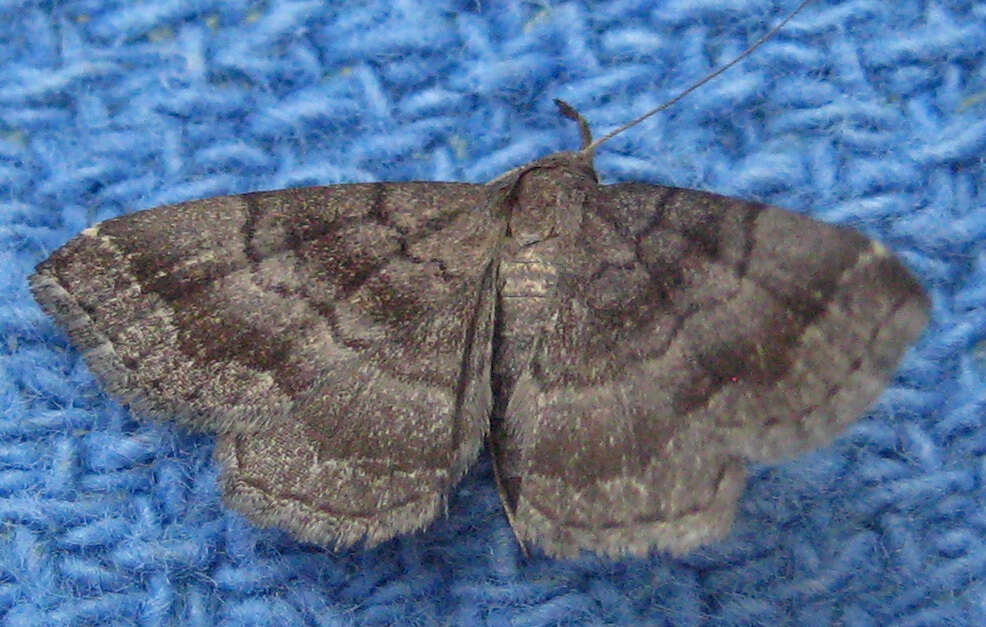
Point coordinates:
[(336, 338), (693, 332)]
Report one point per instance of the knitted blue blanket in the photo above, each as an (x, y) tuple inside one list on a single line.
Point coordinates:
[(865, 113)]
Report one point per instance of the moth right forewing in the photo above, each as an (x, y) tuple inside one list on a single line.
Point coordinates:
[(692, 331)]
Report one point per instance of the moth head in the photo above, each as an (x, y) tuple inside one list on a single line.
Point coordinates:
[(543, 195)]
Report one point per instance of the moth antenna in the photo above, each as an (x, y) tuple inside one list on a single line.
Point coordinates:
[(569, 112), (591, 147)]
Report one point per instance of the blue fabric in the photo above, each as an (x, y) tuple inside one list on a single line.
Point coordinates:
[(865, 112)]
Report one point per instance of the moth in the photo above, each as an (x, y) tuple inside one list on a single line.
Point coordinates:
[(625, 349)]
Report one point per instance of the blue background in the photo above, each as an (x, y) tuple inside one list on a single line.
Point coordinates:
[(866, 113)]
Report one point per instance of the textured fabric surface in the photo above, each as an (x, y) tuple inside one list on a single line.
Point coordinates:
[(863, 112)]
